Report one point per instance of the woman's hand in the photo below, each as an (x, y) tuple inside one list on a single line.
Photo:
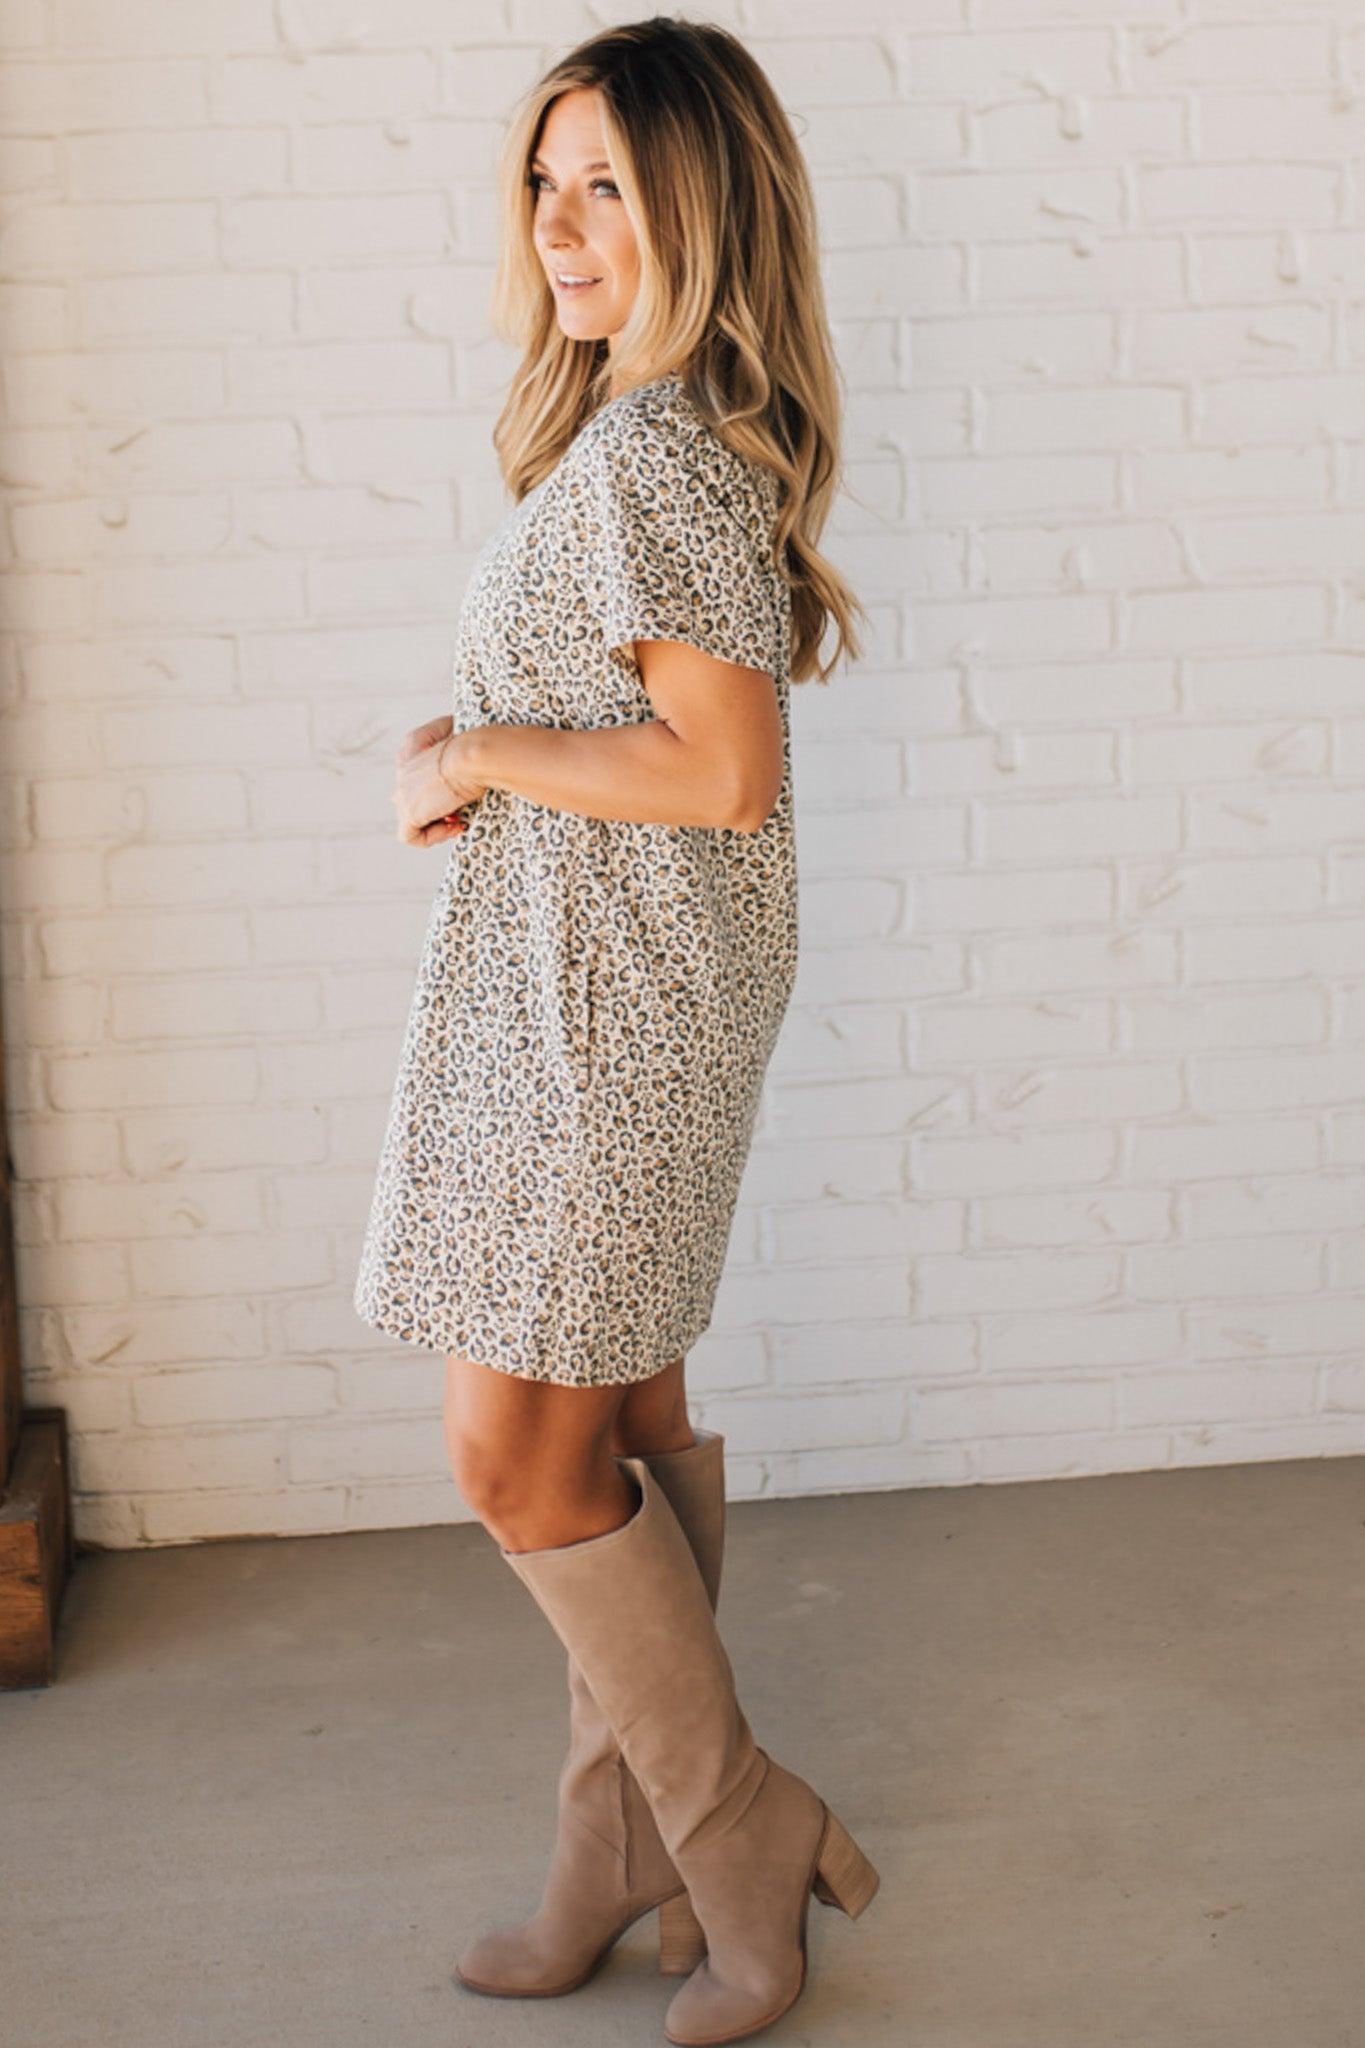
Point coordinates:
[(422, 736), (433, 784)]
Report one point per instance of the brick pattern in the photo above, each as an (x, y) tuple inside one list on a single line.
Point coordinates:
[(1061, 1168)]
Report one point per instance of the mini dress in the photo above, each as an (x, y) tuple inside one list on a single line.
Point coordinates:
[(596, 1001)]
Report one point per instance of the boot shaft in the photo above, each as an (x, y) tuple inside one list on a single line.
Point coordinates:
[(632, 1607)]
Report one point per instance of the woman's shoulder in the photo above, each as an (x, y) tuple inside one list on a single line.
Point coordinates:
[(654, 425), (654, 437)]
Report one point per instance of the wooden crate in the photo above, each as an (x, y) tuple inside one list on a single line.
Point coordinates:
[(36, 1549), (36, 1546)]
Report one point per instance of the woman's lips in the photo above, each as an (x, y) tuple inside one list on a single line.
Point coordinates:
[(568, 289)]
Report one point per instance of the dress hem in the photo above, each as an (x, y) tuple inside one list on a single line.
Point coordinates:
[(516, 1371)]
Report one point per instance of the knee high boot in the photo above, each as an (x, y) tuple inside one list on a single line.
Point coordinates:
[(609, 1865), (750, 1839)]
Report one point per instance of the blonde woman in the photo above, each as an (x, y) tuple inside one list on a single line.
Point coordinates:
[(607, 965)]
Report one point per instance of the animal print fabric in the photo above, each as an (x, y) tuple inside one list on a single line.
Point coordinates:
[(596, 1001)]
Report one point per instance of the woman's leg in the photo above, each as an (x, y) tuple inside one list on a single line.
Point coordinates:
[(746, 1839), (609, 1864), (750, 1840)]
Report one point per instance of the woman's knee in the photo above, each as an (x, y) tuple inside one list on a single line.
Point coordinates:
[(536, 1502), (518, 1448)]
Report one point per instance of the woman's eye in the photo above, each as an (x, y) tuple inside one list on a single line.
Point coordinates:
[(538, 178)]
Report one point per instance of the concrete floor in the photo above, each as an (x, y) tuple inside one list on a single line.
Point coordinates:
[(1104, 1739)]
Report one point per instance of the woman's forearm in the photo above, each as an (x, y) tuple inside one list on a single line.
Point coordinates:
[(641, 774)]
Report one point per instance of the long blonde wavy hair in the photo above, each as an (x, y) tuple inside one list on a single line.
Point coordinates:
[(730, 295)]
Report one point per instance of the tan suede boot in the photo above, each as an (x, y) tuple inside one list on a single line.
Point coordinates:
[(609, 1866), (750, 1839)]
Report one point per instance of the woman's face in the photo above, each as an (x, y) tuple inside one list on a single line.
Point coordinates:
[(580, 224)]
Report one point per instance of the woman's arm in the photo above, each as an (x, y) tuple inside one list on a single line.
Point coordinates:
[(713, 756)]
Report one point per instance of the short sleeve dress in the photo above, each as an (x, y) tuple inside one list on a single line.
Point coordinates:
[(596, 1001)]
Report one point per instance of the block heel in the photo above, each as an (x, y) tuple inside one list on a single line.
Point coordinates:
[(682, 1939), (843, 1875)]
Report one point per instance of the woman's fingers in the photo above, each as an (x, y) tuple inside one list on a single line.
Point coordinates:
[(422, 736), (433, 834)]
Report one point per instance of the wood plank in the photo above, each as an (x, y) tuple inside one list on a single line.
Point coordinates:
[(36, 1550), (11, 1371)]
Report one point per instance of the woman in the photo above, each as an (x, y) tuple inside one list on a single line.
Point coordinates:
[(607, 965)]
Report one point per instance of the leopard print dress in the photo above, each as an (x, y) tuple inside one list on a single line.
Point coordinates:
[(596, 1001)]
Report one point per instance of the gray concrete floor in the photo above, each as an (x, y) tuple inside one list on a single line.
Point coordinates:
[(1104, 1739)]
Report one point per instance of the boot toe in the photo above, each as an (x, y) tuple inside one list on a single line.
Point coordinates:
[(510, 1963), (711, 2008)]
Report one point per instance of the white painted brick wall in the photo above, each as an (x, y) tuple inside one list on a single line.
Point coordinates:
[(1061, 1167)]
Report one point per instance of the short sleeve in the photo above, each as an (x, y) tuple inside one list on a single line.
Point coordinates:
[(677, 543)]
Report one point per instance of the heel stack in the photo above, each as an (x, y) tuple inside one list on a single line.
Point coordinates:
[(682, 1938), (843, 1875)]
